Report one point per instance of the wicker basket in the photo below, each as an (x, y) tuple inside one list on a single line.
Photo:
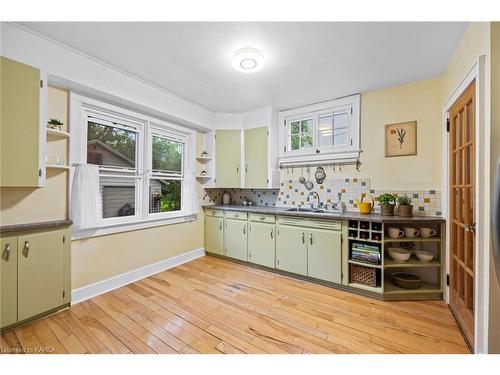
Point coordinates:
[(363, 275)]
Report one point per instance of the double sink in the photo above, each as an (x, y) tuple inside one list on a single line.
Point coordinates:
[(300, 209)]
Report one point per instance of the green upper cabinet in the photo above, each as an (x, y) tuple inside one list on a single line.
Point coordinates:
[(236, 238), (41, 278), (291, 249), (8, 281), (261, 244), (23, 125), (324, 256), (214, 234), (228, 158), (256, 158)]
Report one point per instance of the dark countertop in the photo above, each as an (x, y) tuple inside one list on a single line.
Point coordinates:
[(34, 226), (348, 215)]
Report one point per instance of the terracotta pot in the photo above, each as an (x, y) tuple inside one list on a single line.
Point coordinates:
[(387, 209), (406, 210)]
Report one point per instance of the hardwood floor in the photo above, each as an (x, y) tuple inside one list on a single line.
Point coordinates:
[(212, 305)]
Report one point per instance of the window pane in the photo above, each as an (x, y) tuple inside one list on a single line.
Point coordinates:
[(326, 131), (307, 141), (340, 136), (295, 142), (118, 197), (340, 119), (164, 195), (111, 146), (167, 155), (295, 127), (306, 126)]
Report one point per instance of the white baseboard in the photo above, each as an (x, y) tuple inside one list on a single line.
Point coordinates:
[(100, 287)]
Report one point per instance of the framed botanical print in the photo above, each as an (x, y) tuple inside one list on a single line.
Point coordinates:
[(401, 139)]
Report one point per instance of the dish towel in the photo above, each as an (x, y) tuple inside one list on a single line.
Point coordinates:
[(86, 205)]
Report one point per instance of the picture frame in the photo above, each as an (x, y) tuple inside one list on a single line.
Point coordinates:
[(401, 139)]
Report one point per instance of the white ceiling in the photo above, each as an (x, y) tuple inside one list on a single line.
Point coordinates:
[(305, 62)]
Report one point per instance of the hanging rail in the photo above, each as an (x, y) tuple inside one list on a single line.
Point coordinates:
[(338, 163)]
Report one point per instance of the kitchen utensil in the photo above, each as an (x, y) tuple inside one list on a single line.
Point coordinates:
[(395, 232), (427, 232), (320, 175), (399, 255), (411, 232), (424, 256), (406, 280), (302, 179), (365, 207), (309, 185)]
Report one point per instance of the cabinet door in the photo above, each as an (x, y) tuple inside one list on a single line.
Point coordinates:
[(214, 234), (8, 281), (291, 249), (40, 273), (22, 138), (236, 239), (227, 158), (256, 168), (324, 256), (261, 244)]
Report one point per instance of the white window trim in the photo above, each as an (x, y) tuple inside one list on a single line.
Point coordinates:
[(80, 106), (314, 111)]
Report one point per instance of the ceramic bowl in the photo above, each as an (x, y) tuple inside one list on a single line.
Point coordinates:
[(424, 256), (406, 280), (399, 255)]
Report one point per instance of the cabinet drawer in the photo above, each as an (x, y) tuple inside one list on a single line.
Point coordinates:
[(260, 218), (217, 213), (236, 215), (310, 223)]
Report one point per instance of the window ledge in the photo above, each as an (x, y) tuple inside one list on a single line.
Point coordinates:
[(128, 227)]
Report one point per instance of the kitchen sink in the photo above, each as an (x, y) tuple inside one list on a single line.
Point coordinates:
[(300, 209)]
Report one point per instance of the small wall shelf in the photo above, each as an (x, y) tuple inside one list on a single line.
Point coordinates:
[(55, 166), (57, 133), (203, 158)]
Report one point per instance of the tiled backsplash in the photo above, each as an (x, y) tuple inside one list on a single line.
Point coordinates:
[(292, 194)]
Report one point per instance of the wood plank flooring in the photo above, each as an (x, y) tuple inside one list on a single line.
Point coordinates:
[(211, 305)]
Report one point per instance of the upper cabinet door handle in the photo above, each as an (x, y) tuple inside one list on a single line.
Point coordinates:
[(26, 249), (271, 233), (303, 238), (246, 168), (311, 238), (6, 253), (244, 229)]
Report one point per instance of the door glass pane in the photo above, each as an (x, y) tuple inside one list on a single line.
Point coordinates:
[(457, 132), (326, 131), (167, 155), (470, 114), (470, 288), (118, 197), (110, 146), (164, 195)]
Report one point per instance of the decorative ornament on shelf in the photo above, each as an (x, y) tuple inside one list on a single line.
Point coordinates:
[(204, 154), (54, 123), (203, 173)]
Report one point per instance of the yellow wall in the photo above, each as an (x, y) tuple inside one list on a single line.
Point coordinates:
[(417, 101)]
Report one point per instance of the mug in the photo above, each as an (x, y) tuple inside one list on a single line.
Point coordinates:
[(411, 232), (427, 232), (395, 232)]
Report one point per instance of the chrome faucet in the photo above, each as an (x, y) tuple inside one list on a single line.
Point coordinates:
[(317, 196)]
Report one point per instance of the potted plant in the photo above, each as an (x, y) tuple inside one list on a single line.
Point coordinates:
[(54, 123), (405, 208), (387, 203)]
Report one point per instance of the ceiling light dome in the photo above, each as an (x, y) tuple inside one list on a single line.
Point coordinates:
[(248, 60)]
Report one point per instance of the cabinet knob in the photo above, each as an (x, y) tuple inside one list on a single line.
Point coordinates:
[(6, 253), (26, 249)]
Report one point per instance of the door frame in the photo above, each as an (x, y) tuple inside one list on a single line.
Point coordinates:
[(481, 271)]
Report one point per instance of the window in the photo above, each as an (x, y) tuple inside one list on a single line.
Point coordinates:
[(142, 166), (324, 131)]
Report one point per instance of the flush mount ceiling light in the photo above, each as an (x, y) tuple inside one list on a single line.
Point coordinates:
[(248, 60)]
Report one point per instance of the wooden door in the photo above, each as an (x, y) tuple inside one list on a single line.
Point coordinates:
[(236, 239), (462, 210), (324, 256), (8, 281), (291, 249), (214, 234), (256, 150), (261, 244), (40, 273), (227, 158)]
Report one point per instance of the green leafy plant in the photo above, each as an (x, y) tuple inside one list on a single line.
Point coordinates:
[(54, 121), (386, 199), (404, 200)]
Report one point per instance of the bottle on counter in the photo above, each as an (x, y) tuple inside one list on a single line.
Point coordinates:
[(226, 198)]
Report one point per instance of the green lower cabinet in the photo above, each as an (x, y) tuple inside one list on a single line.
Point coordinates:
[(214, 235), (40, 273), (8, 281), (236, 239), (291, 249), (324, 255), (261, 244)]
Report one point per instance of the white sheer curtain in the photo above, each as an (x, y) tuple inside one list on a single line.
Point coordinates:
[(192, 201), (86, 206)]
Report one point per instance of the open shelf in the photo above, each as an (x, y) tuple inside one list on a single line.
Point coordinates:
[(416, 239), (57, 133), (204, 177), (390, 288), (56, 166), (364, 264), (412, 262), (373, 289), (203, 158)]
